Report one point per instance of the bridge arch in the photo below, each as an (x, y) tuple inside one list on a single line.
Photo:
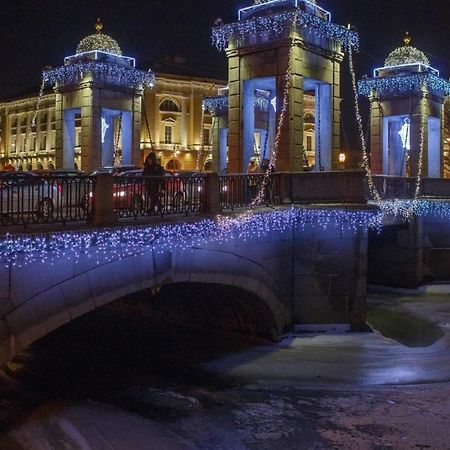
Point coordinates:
[(55, 296)]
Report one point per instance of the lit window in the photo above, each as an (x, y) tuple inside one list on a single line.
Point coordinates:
[(169, 105), (309, 143), (167, 134), (43, 122)]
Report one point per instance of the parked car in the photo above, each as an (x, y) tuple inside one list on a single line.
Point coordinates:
[(25, 193), (115, 170), (172, 191), (73, 185)]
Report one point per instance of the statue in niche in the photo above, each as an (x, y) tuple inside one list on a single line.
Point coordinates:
[(105, 127)]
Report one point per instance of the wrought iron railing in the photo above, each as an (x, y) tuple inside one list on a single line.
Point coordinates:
[(390, 187), (239, 190), (27, 198), (172, 194)]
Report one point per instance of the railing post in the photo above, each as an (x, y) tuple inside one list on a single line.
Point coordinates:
[(211, 203), (285, 186), (102, 201)]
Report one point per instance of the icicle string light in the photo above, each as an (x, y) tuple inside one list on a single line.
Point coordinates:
[(114, 244), (279, 23), (404, 84), (74, 73)]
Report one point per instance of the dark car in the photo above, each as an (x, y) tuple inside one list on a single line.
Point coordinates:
[(115, 170)]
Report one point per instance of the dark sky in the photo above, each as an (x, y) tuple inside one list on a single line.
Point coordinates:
[(34, 34)]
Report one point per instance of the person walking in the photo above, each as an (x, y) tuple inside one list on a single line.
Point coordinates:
[(252, 180), (153, 188)]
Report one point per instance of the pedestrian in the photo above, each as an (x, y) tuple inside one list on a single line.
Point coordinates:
[(154, 188), (252, 179)]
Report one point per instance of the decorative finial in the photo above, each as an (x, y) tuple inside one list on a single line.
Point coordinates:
[(98, 26), (407, 39)]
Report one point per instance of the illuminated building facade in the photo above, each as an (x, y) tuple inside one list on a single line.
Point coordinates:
[(407, 115), (104, 111)]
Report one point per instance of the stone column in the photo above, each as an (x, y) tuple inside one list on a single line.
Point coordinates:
[(48, 144), (59, 139), (336, 112), (136, 125), (376, 138), (234, 115), (184, 131), (248, 123), (157, 121)]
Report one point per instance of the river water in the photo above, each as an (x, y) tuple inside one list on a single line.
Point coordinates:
[(127, 377)]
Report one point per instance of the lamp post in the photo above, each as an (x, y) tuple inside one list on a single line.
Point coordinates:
[(342, 158)]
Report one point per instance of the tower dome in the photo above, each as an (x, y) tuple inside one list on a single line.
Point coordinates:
[(406, 55), (99, 41)]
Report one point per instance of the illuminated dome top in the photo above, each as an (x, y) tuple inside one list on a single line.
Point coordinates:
[(406, 55), (99, 41)]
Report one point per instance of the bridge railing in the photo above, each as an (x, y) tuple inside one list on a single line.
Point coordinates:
[(243, 190), (27, 198), (390, 187), (171, 194)]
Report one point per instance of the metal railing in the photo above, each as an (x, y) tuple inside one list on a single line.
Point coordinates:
[(27, 198), (390, 187), (240, 190), (172, 194)]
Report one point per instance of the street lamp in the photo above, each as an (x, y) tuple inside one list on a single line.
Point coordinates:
[(342, 158)]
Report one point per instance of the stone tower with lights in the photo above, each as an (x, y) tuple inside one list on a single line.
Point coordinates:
[(406, 114), (270, 40), (99, 90)]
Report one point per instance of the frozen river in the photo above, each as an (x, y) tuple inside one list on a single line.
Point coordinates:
[(120, 380)]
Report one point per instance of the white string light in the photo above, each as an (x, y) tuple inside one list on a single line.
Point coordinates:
[(108, 245)]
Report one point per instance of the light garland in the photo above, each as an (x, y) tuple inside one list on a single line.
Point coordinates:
[(115, 244), (404, 83), (100, 71), (407, 209), (406, 55), (99, 41), (372, 188), (218, 105), (281, 22)]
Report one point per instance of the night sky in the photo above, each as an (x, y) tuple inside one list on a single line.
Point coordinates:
[(34, 34)]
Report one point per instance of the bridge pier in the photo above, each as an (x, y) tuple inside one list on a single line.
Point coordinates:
[(329, 276)]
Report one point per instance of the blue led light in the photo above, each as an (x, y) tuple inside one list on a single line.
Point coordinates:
[(118, 243), (403, 84), (101, 71), (280, 22)]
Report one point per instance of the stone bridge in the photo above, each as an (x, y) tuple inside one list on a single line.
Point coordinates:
[(301, 273)]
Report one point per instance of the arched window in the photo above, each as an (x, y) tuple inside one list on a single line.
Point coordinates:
[(168, 105), (207, 167), (50, 166), (309, 118), (173, 164)]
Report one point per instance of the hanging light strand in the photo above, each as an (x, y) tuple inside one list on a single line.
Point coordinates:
[(372, 188)]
